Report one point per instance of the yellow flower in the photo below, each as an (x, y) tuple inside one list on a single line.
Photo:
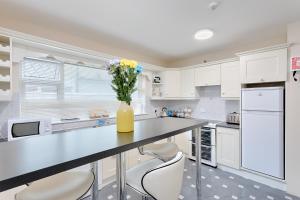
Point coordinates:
[(128, 63), (132, 64), (123, 62)]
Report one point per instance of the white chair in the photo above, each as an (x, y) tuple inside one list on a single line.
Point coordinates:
[(70, 185), (157, 179), (163, 151), (64, 186)]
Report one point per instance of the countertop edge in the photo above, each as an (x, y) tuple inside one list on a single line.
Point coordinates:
[(227, 125)]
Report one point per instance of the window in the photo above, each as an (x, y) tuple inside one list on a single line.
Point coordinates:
[(66, 91)]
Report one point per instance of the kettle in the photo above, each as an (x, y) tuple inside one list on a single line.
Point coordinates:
[(163, 112)]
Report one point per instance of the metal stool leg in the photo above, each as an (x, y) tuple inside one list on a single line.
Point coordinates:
[(95, 185), (121, 176), (197, 133)]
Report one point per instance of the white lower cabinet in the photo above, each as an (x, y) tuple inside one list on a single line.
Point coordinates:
[(182, 141), (228, 147), (108, 168)]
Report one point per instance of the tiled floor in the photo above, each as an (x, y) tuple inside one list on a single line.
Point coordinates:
[(216, 184)]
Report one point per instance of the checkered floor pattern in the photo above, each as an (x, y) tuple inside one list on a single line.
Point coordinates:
[(216, 184)]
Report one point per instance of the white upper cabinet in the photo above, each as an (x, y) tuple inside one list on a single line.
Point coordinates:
[(177, 84), (187, 83), (268, 66), (230, 80), (208, 75), (171, 87)]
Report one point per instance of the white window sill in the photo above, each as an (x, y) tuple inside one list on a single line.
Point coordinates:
[(90, 119), (63, 126)]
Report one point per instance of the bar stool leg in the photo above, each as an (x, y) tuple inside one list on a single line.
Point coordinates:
[(121, 176), (197, 133), (169, 139), (95, 184)]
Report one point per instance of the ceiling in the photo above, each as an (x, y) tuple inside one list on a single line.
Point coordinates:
[(167, 27)]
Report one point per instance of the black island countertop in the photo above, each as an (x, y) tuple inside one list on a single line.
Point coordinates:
[(26, 160)]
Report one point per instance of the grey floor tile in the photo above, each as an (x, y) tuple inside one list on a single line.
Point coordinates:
[(216, 184)]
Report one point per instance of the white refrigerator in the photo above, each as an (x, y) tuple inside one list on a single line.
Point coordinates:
[(263, 130)]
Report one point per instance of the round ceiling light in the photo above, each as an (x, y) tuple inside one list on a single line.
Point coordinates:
[(204, 34)]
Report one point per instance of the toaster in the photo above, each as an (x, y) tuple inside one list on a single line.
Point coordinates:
[(233, 118)]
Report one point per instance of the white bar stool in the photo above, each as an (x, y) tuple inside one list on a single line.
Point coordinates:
[(70, 185), (63, 186), (164, 151), (157, 179)]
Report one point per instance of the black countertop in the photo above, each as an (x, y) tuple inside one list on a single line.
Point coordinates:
[(227, 125), (26, 160)]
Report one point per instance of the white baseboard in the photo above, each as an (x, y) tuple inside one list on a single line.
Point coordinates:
[(272, 182)]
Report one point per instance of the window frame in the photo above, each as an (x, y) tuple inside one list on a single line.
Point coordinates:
[(140, 99)]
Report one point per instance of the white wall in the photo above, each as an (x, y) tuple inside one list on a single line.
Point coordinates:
[(293, 118), (209, 106), (229, 51)]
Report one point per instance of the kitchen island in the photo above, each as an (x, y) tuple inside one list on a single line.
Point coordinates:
[(26, 160)]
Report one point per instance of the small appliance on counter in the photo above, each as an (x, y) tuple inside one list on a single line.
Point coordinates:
[(23, 128), (233, 118), (164, 111)]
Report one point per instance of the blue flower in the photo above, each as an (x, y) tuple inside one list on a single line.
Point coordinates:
[(139, 69)]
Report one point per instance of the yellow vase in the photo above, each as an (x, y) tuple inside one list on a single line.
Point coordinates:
[(125, 118)]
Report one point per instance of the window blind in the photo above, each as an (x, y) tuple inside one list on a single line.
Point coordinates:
[(64, 91)]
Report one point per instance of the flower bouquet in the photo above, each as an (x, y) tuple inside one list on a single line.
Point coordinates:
[(124, 77)]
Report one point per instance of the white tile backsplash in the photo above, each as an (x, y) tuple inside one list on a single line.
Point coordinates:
[(209, 106)]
